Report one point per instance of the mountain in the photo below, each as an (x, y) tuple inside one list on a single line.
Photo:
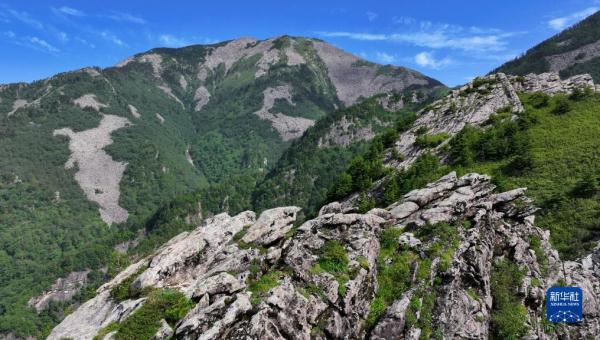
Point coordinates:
[(131, 145), (573, 51), (419, 245), (311, 164)]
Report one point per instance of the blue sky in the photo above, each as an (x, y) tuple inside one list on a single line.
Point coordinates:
[(449, 40)]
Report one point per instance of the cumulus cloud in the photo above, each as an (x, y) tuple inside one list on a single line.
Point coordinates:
[(561, 23), (427, 59)]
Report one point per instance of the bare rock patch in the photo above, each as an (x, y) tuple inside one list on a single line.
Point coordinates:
[(98, 174), (89, 100), (288, 127)]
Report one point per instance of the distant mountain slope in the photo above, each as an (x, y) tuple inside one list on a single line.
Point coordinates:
[(575, 50), (312, 163), (92, 147)]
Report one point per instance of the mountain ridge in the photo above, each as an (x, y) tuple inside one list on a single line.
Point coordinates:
[(187, 120)]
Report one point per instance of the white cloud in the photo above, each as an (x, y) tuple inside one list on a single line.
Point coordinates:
[(62, 36), (125, 17), (42, 43), (112, 38), (25, 18), (434, 39), (85, 42), (170, 40), (426, 59), (65, 10), (436, 36), (354, 36), (385, 57), (9, 34), (371, 15), (561, 23), (403, 20)]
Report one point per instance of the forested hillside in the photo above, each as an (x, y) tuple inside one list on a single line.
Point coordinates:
[(573, 51), (91, 157)]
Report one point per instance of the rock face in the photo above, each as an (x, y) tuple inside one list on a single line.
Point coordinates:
[(251, 279), (62, 290), (354, 78), (474, 103)]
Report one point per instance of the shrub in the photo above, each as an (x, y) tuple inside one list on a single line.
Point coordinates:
[(431, 140), (580, 93), (508, 313), (539, 100), (561, 106), (587, 187), (421, 130), (333, 258), (165, 304), (125, 290), (261, 286)]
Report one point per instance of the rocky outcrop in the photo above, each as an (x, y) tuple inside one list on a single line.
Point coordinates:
[(346, 132), (251, 279), (62, 290), (474, 103)]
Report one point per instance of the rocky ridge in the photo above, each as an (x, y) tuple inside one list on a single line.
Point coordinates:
[(222, 264), (472, 104)]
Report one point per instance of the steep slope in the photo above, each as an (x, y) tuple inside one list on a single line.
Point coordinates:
[(575, 50), (311, 164), (464, 263), (536, 131), (93, 147)]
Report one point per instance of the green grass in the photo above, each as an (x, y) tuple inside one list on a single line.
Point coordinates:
[(124, 290), (166, 304), (393, 279), (564, 153), (508, 313), (333, 259), (431, 140), (261, 286)]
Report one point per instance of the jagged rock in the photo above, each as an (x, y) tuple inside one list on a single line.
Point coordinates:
[(331, 208), (222, 283), (391, 326), (62, 290), (216, 232), (164, 332), (272, 225), (308, 302), (93, 315), (403, 210), (409, 240), (210, 322)]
